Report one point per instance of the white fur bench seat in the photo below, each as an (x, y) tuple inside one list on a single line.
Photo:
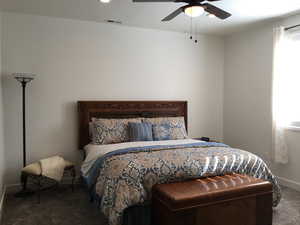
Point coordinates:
[(35, 173), (35, 168)]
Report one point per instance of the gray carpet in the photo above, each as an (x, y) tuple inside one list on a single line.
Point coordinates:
[(288, 210), (62, 207)]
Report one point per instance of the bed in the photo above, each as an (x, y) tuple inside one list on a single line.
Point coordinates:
[(119, 176)]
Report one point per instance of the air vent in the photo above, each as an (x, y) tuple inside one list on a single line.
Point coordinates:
[(114, 21)]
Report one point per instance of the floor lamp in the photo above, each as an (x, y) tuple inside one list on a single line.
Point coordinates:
[(24, 78)]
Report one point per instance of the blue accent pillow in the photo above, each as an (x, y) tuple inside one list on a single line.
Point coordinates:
[(140, 131), (167, 128), (161, 132)]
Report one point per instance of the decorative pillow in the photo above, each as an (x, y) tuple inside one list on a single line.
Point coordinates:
[(110, 131), (161, 132), (168, 128), (140, 131)]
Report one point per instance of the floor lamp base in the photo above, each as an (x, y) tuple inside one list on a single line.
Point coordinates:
[(24, 193)]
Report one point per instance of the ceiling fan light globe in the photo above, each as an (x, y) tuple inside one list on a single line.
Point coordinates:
[(194, 11), (104, 1), (210, 15)]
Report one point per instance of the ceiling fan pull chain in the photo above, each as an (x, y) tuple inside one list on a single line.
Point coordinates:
[(196, 33), (191, 28)]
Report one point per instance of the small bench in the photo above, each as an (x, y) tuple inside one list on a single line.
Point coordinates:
[(224, 200), (34, 172)]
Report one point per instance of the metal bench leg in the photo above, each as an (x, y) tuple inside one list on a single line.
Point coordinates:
[(24, 178), (39, 190), (73, 178)]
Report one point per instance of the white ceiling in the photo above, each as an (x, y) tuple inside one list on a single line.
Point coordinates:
[(148, 15)]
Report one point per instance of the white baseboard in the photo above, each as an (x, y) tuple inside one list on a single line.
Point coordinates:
[(289, 183), (12, 188), (1, 203)]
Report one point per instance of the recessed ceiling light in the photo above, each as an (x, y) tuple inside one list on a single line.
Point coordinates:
[(104, 1)]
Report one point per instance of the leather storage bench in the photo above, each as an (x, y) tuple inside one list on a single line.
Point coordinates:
[(224, 200)]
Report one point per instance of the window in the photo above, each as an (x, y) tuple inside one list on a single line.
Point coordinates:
[(288, 80)]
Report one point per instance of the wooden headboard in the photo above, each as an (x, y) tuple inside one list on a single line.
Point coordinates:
[(125, 109)]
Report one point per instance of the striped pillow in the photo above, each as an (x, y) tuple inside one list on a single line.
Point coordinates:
[(140, 131)]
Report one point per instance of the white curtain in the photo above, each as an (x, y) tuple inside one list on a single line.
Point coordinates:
[(280, 149)]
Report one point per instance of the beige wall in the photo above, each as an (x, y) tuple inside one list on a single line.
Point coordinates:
[(247, 98), (247, 90), (78, 60)]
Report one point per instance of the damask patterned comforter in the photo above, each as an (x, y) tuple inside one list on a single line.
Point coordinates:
[(122, 175)]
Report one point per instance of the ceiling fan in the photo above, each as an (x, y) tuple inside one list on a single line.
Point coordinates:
[(194, 8)]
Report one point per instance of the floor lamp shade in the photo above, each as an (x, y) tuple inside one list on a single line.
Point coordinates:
[(24, 78)]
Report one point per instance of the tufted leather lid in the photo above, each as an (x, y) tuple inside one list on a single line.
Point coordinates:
[(208, 191)]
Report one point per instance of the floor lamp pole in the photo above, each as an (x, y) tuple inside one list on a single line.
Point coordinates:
[(24, 122), (24, 78)]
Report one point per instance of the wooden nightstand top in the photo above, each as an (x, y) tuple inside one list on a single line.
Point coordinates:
[(207, 139)]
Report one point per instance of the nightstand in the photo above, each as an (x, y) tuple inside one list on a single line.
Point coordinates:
[(207, 139)]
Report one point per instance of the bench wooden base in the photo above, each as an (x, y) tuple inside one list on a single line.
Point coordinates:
[(229, 200)]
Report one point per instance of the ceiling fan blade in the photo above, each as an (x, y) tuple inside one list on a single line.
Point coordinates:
[(186, 1), (216, 11), (173, 14), (152, 0)]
